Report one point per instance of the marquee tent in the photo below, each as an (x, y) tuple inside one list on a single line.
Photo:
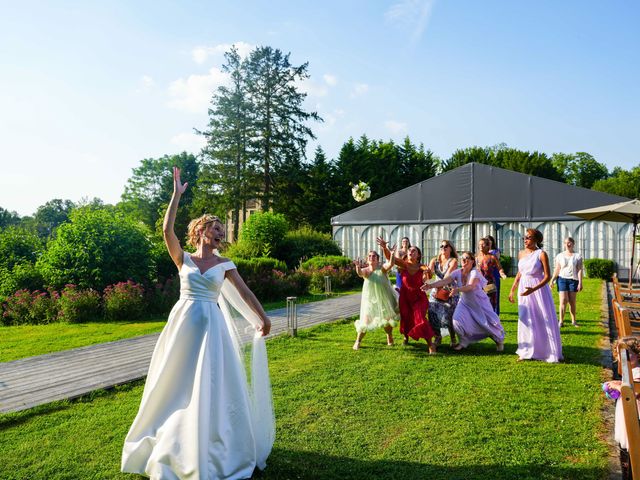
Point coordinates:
[(475, 200)]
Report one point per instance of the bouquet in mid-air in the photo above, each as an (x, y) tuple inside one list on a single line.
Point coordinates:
[(360, 191)]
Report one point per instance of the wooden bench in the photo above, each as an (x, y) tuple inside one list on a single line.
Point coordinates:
[(628, 392), (627, 319), (629, 297)]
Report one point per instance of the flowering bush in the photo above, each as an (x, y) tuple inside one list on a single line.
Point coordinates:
[(78, 306), (124, 301), (161, 297), (360, 191), (340, 269), (27, 308), (15, 310)]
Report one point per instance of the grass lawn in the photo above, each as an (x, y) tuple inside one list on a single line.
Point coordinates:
[(381, 412), (28, 340)]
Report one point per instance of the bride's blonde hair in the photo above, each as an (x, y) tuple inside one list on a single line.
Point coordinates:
[(197, 226)]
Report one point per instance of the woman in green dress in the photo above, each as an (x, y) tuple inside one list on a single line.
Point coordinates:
[(379, 306)]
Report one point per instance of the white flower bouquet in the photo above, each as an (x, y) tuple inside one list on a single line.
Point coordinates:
[(360, 191)]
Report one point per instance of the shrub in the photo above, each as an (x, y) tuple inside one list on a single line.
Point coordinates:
[(18, 245), (23, 276), (336, 261), (24, 307), (97, 248), (263, 232), (44, 307), (599, 268), (77, 305), (506, 261), (268, 280), (238, 249), (258, 266), (304, 243), (161, 297), (163, 265), (340, 269), (124, 301), (15, 310)]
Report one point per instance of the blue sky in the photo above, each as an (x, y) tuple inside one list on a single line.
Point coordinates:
[(89, 88)]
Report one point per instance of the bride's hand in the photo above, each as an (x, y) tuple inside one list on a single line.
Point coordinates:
[(178, 186), (265, 329)]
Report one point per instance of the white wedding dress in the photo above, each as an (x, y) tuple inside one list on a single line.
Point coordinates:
[(199, 417)]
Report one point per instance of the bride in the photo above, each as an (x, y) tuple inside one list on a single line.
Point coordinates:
[(200, 417)]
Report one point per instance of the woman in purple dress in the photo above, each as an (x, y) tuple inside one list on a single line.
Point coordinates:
[(538, 331), (473, 318)]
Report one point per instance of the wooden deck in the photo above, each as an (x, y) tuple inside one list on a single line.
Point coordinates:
[(34, 381)]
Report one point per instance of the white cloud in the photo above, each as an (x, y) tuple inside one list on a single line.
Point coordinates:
[(194, 93), (413, 15), (146, 82), (189, 142), (359, 89), (396, 128), (330, 80), (200, 54), (311, 88)]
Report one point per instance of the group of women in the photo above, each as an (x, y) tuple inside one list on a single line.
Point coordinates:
[(464, 296)]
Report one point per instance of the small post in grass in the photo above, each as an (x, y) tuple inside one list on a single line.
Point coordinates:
[(292, 316), (327, 285)]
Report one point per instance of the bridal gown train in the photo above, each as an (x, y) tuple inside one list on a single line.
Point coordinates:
[(199, 417)]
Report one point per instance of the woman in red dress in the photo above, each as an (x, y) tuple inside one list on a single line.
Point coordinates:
[(413, 302)]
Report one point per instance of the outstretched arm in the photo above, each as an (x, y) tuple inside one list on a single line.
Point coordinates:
[(385, 247), (170, 238), (250, 299), (439, 283), (500, 269), (388, 265)]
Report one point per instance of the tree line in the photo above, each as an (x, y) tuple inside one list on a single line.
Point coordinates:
[(257, 139)]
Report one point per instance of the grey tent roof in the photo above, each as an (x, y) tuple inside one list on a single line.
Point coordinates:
[(477, 193)]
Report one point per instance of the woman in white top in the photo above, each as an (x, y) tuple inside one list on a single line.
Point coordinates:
[(568, 272)]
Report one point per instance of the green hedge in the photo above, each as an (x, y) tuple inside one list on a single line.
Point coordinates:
[(599, 268), (322, 261), (268, 280), (299, 245), (506, 261)]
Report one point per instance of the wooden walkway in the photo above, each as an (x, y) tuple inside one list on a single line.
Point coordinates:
[(34, 381)]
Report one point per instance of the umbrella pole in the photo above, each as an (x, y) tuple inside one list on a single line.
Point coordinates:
[(633, 250)]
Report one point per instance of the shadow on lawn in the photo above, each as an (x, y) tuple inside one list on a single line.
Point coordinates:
[(286, 464)]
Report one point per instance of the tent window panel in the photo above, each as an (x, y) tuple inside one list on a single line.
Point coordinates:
[(431, 238), (512, 235), (461, 238), (554, 234), (368, 243), (409, 231)]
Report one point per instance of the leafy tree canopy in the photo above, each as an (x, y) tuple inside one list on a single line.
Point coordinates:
[(8, 218), (621, 182)]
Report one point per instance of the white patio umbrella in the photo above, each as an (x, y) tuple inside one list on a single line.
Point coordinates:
[(628, 212)]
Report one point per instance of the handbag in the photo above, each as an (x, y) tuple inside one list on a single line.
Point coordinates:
[(489, 288), (442, 294)]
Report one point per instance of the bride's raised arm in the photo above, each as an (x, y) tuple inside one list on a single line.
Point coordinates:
[(170, 238)]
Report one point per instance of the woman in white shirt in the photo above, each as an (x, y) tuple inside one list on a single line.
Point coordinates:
[(568, 272)]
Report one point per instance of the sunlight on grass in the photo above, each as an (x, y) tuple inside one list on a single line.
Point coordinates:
[(381, 412)]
